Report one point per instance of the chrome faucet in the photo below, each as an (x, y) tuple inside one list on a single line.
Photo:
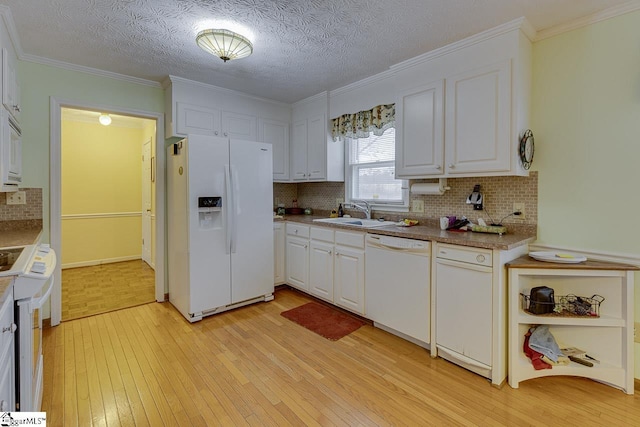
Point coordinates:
[(366, 208)]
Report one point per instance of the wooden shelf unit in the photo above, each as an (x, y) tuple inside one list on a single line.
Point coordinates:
[(608, 338)]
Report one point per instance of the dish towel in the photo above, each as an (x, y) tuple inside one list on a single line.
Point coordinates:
[(543, 342)]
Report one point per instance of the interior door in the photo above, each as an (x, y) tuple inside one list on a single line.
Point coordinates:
[(146, 203)]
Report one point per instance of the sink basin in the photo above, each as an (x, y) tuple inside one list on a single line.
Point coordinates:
[(357, 222)]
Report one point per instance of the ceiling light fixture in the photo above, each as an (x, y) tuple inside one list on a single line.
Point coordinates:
[(224, 44), (104, 119)]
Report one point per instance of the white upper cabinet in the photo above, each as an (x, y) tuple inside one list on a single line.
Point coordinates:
[(10, 86), (420, 131), (478, 120), (462, 109), (276, 133), (314, 155), (197, 108), (197, 119), (239, 126)]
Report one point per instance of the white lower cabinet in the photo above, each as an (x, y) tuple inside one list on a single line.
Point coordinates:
[(349, 271), (321, 263), (327, 264), (321, 270), (278, 253), (297, 254), (7, 356)]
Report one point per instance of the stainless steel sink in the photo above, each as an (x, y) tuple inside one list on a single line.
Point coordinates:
[(357, 222)]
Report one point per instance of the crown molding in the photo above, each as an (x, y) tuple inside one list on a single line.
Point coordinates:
[(322, 96), (175, 79), (603, 15), (516, 24), (88, 70), (7, 17), (363, 82)]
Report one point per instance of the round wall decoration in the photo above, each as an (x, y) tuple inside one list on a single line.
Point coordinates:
[(526, 149)]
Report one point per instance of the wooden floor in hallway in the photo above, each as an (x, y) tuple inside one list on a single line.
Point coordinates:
[(106, 287), (147, 366)]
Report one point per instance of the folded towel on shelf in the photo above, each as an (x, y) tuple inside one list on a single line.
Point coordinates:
[(536, 358), (542, 341)]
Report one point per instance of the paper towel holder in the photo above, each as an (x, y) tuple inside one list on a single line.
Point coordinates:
[(437, 188)]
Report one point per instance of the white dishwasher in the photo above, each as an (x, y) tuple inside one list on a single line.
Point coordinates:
[(397, 275), (463, 305)]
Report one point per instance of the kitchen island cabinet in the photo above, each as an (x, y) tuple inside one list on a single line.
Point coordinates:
[(608, 338)]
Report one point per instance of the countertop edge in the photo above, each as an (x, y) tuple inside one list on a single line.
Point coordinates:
[(427, 233)]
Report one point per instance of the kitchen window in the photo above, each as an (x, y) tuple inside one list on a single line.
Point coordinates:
[(370, 170)]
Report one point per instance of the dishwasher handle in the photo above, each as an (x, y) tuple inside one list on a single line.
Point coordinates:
[(465, 265), (398, 244)]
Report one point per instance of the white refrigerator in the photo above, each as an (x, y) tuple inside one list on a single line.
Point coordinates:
[(220, 224)]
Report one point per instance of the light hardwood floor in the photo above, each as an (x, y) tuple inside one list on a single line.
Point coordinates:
[(147, 365), (98, 289)]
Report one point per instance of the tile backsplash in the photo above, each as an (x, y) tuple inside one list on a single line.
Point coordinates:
[(29, 211), (500, 193)]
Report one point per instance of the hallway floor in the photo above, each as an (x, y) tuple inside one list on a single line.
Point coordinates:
[(87, 291)]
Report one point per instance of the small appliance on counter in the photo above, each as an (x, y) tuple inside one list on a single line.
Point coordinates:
[(476, 198)]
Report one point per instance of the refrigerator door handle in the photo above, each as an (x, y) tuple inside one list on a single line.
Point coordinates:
[(234, 184), (229, 208)]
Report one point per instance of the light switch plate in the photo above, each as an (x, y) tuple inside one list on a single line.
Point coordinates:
[(17, 198), (636, 332), (417, 205)]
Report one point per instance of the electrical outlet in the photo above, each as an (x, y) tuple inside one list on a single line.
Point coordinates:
[(636, 329), (17, 198), (339, 200), (277, 201), (417, 205), (519, 207)]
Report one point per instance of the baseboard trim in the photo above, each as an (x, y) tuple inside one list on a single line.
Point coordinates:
[(100, 261)]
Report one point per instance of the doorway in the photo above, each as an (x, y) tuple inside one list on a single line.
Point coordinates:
[(106, 204), (121, 224)]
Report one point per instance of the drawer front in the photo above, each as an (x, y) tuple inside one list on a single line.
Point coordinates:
[(6, 322), (353, 239), (298, 230), (467, 254), (324, 234)]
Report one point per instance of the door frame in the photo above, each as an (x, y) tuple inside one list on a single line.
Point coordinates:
[(55, 193), (147, 180)]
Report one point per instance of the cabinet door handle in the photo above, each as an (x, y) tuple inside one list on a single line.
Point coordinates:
[(215, 132), (4, 406), (16, 108), (438, 167), (452, 166), (225, 134), (329, 252), (11, 328)]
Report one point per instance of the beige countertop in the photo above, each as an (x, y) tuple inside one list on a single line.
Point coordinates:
[(21, 237), (432, 233)]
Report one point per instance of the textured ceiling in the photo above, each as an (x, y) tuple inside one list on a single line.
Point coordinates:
[(301, 47)]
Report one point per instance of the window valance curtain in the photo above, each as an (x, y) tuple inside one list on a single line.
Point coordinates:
[(362, 123)]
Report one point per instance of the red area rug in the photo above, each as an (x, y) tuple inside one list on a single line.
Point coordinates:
[(324, 321)]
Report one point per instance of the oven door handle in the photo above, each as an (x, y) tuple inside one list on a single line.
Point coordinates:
[(38, 303)]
